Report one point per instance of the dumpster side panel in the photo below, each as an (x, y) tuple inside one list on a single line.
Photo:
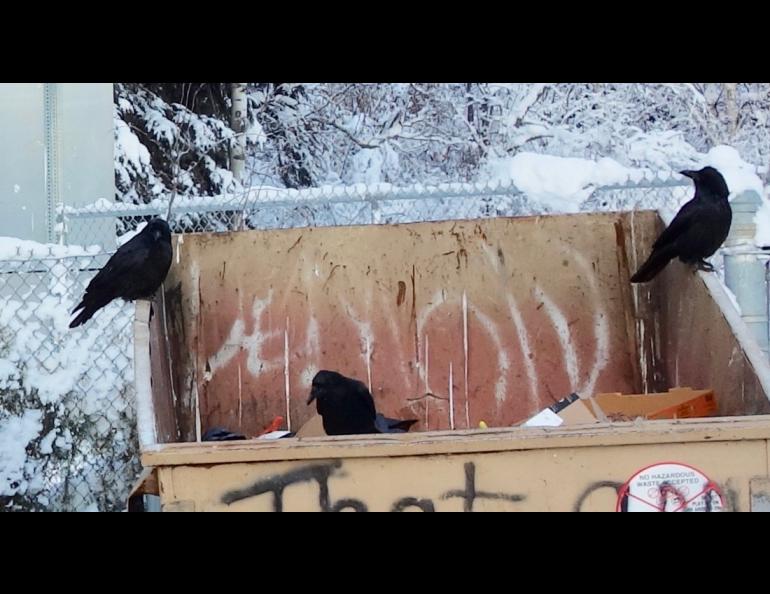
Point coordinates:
[(181, 305), (517, 312), (163, 389), (545, 479), (700, 347), (643, 311)]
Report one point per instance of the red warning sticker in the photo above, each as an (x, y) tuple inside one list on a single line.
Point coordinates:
[(670, 487)]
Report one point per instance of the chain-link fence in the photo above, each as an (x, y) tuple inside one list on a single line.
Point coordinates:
[(67, 396), (273, 208)]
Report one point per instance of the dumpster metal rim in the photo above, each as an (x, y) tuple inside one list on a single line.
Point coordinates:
[(753, 427)]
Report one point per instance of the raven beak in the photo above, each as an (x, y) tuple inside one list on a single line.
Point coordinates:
[(312, 397), (689, 173)]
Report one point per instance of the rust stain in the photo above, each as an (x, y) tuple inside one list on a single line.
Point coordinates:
[(401, 293), (619, 235), (331, 274), (295, 244)]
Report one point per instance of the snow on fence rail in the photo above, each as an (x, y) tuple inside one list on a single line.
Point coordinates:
[(274, 208)]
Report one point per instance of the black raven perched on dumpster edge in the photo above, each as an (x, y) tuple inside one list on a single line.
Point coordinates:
[(698, 229), (135, 271), (347, 408)]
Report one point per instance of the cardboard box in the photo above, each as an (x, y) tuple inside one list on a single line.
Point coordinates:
[(313, 428), (571, 410), (677, 403)]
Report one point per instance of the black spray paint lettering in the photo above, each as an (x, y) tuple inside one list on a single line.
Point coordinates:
[(320, 473), (425, 505), (276, 485), (354, 504), (596, 487), (470, 494)]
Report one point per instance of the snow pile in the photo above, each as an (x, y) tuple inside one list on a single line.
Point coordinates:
[(15, 434), (565, 184), (559, 184), (741, 177)]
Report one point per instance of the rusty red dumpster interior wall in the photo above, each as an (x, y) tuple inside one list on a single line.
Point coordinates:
[(449, 322)]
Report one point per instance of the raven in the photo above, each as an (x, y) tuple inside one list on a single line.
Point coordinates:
[(347, 408), (135, 271), (698, 229)]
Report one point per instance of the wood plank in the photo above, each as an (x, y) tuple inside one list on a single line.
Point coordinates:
[(454, 442)]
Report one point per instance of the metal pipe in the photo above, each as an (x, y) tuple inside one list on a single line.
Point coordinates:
[(746, 273), (746, 277)]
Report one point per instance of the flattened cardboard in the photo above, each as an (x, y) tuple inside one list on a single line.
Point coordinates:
[(313, 428)]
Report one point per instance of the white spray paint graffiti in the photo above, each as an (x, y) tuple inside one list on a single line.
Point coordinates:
[(503, 363), (601, 325), (310, 351), (238, 340), (563, 333), (526, 351)]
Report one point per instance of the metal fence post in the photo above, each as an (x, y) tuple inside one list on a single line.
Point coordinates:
[(745, 267)]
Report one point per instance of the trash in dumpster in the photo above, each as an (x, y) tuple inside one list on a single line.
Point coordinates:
[(271, 432), (221, 434), (677, 403)]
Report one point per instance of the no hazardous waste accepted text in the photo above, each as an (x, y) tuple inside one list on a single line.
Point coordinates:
[(670, 487)]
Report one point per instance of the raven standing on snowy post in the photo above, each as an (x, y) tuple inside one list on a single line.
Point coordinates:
[(698, 229), (347, 408), (135, 271)]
